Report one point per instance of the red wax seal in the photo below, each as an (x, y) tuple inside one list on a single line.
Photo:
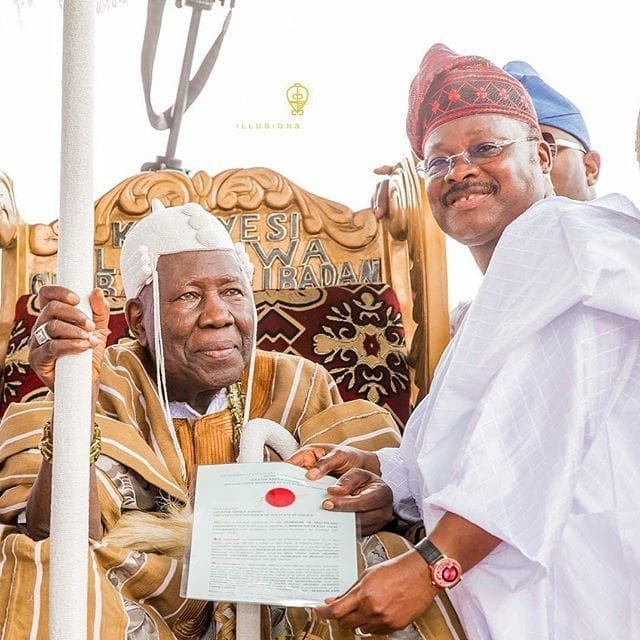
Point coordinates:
[(280, 497)]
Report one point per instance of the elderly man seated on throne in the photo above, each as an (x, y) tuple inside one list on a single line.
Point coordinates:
[(178, 396)]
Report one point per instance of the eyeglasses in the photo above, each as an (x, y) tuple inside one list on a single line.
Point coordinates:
[(557, 144), (477, 154)]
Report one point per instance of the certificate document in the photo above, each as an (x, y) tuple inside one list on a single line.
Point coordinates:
[(260, 535)]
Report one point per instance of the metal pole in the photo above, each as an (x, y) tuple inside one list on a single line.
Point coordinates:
[(72, 405), (183, 83)]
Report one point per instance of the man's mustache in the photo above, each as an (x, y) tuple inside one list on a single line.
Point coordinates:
[(476, 185)]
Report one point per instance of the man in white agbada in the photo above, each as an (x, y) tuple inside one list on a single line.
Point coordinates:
[(523, 462)]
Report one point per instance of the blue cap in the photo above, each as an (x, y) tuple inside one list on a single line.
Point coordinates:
[(552, 108)]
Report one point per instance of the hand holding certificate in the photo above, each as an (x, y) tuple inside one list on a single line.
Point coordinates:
[(260, 535)]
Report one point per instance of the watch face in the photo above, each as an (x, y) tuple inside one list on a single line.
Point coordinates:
[(446, 573)]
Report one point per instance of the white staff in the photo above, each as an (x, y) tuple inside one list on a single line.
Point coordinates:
[(72, 400), (256, 434)]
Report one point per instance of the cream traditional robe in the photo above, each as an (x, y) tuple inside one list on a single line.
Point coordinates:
[(532, 429)]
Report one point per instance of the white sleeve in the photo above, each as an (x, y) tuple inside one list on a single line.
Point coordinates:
[(398, 471), (523, 453)]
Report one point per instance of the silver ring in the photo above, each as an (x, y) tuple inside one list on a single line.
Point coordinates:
[(362, 633), (41, 335)]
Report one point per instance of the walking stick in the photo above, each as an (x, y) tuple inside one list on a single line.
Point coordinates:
[(256, 434)]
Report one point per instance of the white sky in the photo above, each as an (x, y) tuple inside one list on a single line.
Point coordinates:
[(357, 58)]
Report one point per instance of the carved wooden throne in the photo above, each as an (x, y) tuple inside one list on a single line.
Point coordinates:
[(302, 246)]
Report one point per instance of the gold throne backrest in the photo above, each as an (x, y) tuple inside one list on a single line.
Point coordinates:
[(294, 238)]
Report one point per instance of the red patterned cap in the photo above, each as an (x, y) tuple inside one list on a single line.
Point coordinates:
[(449, 86)]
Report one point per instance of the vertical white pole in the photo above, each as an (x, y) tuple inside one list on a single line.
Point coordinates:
[(72, 408), (256, 434)]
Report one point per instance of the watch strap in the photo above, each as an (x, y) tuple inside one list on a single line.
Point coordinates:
[(429, 551)]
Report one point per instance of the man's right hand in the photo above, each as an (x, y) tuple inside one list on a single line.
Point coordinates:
[(359, 489), (380, 198), (70, 330), (332, 459), (364, 493)]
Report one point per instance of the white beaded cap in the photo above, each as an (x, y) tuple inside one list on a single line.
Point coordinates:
[(168, 230)]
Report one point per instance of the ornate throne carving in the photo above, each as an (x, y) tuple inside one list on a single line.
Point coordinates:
[(298, 241)]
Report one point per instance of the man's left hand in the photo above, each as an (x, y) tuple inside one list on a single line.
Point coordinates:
[(386, 598)]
